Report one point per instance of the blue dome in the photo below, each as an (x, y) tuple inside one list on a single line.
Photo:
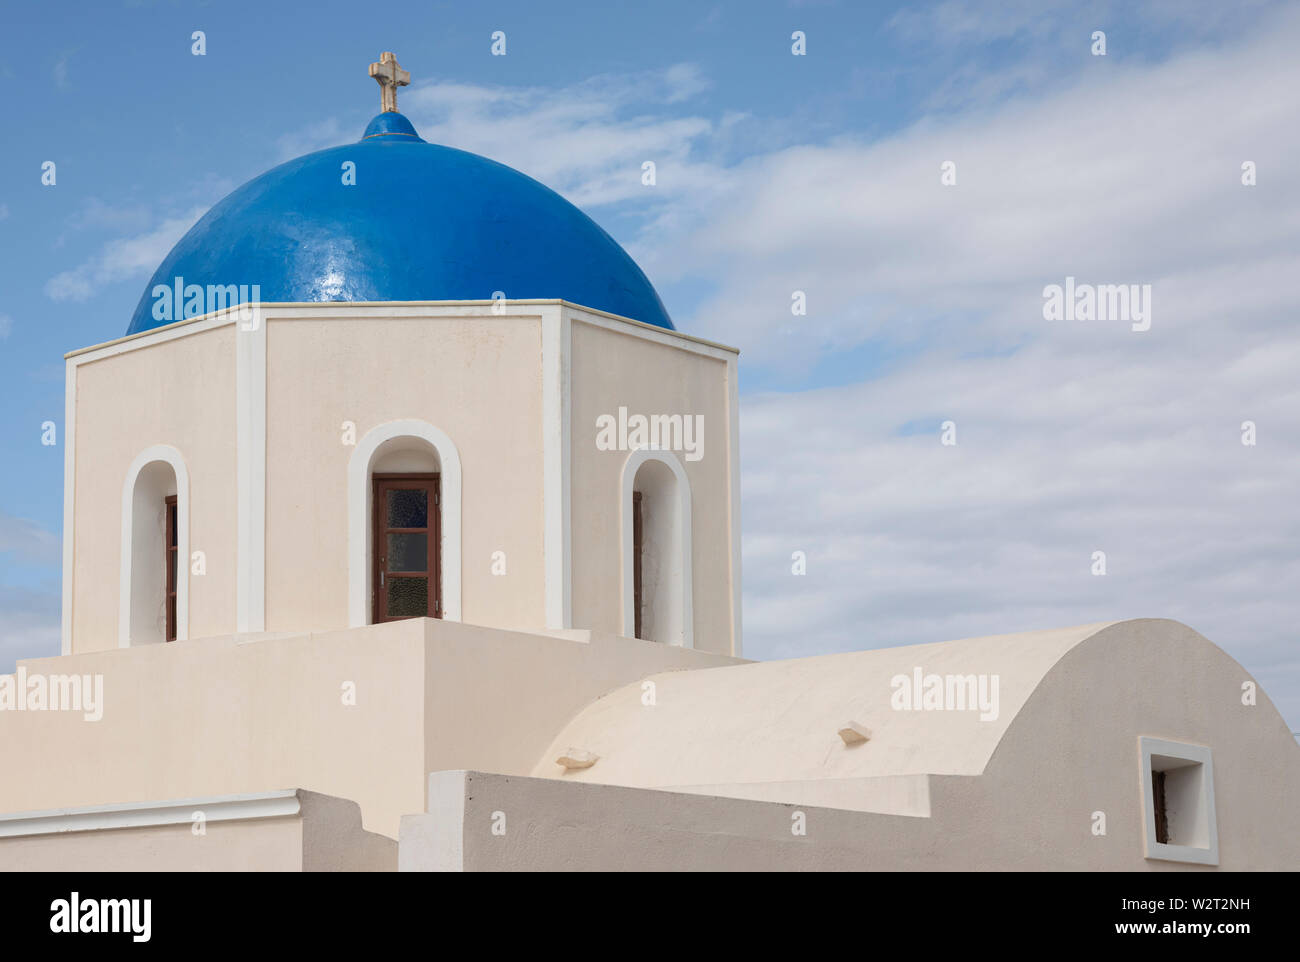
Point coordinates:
[(422, 223)]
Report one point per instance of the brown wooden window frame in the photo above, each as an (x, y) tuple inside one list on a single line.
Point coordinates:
[(381, 483), (638, 545), (171, 563)]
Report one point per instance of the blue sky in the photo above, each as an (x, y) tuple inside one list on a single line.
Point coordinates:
[(779, 173)]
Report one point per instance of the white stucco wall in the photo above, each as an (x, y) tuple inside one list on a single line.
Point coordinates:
[(476, 379), (363, 713), (741, 747), (1017, 792), (266, 418), (284, 831), (615, 368), (178, 393), (777, 721)]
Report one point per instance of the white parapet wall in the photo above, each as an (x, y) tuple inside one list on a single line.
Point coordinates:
[(280, 831)]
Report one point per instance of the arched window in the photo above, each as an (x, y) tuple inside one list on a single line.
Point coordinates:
[(153, 605), (656, 541), (403, 525)]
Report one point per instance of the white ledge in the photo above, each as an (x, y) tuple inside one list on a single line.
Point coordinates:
[(91, 818)]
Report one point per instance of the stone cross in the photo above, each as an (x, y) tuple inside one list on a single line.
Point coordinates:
[(390, 76)]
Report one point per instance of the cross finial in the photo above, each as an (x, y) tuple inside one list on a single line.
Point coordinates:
[(390, 76)]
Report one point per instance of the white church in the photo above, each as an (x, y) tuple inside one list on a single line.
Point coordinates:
[(402, 532)]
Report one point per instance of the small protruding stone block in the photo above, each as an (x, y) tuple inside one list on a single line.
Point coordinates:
[(854, 734), (575, 758)]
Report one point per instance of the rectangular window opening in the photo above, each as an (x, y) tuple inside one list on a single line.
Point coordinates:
[(1178, 797)]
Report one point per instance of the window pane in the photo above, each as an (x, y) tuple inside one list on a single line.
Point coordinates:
[(407, 597), (408, 552), (408, 508), (171, 571)]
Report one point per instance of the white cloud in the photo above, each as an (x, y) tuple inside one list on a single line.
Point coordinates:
[(29, 616), (28, 542), (969, 22), (1129, 177), (1074, 437), (121, 259), (325, 133), (95, 214), (587, 140), (29, 626), (1058, 456)]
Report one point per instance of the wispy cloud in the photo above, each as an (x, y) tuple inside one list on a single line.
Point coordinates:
[(1073, 437), (96, 214), (121, 259), (29, 625), (1119, 178), (974, 53), (61, 71), (324, 133), (926, 302), (587, 140), (925, 305), (29, 616), (28, 542)]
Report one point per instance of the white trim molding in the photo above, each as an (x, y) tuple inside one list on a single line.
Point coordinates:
[(1189, 801), (69, 498), (635, 460), (733, 521), (168, 455), (650, 332), (250, 466), (292, 310), (359, 471), (556, 448), (96, 818)]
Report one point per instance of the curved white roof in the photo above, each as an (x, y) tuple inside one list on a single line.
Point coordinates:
[(778, 722)]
